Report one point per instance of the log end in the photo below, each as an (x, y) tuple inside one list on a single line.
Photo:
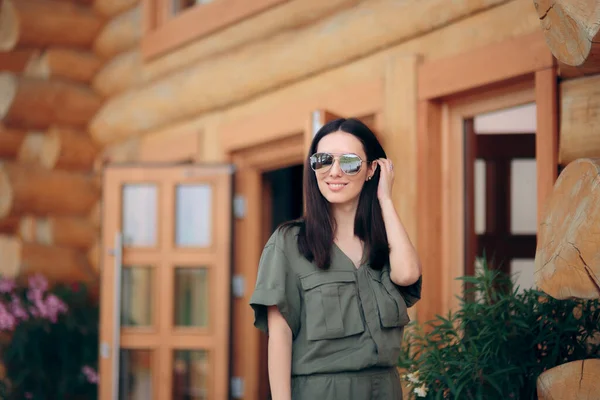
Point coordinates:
[(8, 90), (10, 249), (571, 33), (9, 26), (576, 380), (50, 150), (37, 67), (566, 262), (6, 194)]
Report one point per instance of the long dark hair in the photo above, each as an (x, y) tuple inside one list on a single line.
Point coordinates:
[(317, 226)]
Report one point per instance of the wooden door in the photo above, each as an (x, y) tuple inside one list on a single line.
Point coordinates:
[(165, 285)]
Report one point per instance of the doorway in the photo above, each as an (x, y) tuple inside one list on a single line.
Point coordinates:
[(500, 192), (282, 201)]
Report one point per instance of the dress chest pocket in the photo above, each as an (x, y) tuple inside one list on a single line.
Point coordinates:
[(332, 307), (392, 309)]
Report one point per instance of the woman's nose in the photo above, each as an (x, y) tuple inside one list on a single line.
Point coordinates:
[(335, 169)]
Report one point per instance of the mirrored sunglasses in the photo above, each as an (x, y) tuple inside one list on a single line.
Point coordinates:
[(349, 163)]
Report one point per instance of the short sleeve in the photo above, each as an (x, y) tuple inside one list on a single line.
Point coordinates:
[(276, 285), (411, 293)]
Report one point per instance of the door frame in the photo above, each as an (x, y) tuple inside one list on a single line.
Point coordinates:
[(269, 140), (485, 78)]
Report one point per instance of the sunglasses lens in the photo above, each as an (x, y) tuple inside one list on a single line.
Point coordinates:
[(350, 164), (321, 160)]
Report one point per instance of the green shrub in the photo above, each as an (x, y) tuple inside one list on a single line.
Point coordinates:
[(49, 341), (498, 342)]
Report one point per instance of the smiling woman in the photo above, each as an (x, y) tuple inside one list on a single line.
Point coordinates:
[(333, 287)]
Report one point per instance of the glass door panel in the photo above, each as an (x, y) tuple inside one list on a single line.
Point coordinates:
[(135, 377), (193, 219), (139, 213), (190, 375), (191, 297), (136, 296)]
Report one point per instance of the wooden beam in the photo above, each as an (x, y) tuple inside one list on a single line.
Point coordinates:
[(361, 98), (33, 103), (579, 119), (507, 60), (40, 23), (63, 63), (175, 97), (109, 8), (400, 132), (59, 231), (163, 33), (16, 60), (10, 141), (26, 189), (129, 69), (20, 260), (572, 32), (120, 34), (429, 215), (546, 138)]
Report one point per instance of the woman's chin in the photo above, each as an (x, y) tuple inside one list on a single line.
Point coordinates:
[(339, 198)]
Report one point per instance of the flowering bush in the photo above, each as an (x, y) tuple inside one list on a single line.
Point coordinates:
[(497, 342), (48, 341)]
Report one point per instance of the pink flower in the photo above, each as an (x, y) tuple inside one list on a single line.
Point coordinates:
[(38, 282), (7, 320), (90, 374), (48, 308), (7, 285), (17, 309), (28, 395), (54, 307)]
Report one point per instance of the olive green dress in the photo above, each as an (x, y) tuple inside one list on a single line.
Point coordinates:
[(347, 323)]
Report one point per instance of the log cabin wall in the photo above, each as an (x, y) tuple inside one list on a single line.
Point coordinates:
[(48, 189)]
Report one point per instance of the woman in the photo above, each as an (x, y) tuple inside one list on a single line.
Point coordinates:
[(333, 288)]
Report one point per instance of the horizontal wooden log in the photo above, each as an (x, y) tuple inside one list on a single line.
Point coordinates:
[(33, 103), (579, 119), (567, 261), (95, 215), (31, 149), (42, 23), (572, 32), (10, 141), (120, 34), (75, 65), (26, 189), (65, 148), (575, 380), (176, 96), (58, 231), (16, 60), (20, 260), (9, 225), (119, 74), (94, 256), (109, 8), (128, 69)]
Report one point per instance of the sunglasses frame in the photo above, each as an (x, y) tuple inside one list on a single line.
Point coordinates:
[(336, 156)]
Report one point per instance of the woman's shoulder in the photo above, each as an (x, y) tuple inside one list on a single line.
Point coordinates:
[(285, 237), (286, 234)]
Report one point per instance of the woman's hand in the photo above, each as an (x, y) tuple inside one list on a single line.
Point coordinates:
[(386, 179)]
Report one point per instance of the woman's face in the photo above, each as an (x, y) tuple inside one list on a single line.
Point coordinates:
[(335, 185)]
